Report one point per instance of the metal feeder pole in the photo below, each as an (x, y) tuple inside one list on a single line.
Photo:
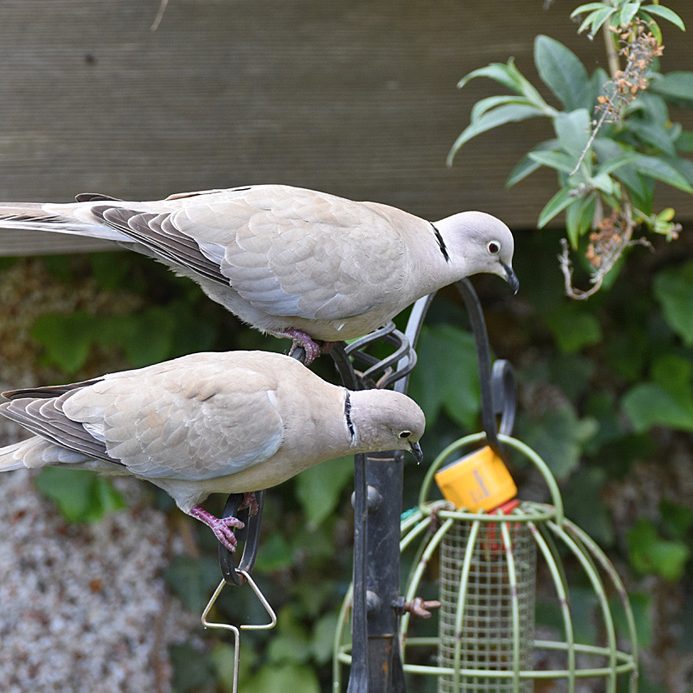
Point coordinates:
[(377, 604), (376, 664)]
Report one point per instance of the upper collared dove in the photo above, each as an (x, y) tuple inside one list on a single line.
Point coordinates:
[(290, 261), (207, 423)]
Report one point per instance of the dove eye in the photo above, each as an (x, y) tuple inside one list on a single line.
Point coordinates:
[(493, 247), (405, 434)]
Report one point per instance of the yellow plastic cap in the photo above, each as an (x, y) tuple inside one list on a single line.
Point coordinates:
[(478, 481)]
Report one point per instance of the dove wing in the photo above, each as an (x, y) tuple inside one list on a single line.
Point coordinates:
[(179, 424), (184, 425), (287, 251)]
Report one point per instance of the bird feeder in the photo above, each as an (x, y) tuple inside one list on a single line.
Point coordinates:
[(491, 564)]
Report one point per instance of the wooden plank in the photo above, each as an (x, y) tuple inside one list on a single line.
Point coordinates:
[(357, 98), (18, 243)]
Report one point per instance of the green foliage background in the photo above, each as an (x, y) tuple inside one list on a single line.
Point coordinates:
[(606, 396)]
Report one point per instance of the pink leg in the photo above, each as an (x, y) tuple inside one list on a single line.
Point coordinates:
[(302, 339), (222, 527)]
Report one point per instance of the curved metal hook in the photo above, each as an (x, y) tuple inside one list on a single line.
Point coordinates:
[(233, 574), (504, 395), (497, 385)]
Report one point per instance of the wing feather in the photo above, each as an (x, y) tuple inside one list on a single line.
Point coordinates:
[(184, 425), (286, 251)]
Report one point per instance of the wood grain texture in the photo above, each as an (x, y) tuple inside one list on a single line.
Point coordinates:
[(354, 97)]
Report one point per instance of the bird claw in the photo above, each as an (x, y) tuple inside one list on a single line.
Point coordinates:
[(221, 526), (301, 339), (249, 501), (223, 531)]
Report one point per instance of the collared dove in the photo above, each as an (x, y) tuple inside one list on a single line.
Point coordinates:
[(289, 261), (207, 423)]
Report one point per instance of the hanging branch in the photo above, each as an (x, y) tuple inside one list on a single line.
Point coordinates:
[(613, 235)]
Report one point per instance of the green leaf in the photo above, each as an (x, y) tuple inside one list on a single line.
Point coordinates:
[(648, 405), (291, 643), (557, 160), (318, 489), (561, 70), (573, 328), (674, 85), (599, 18), (674, 291), (594, 516), (596, 19), (614, 164), (555, 206), (674, 372), (628, 11), (603, 182), (684, 142), (677, 520), (667, 14), (655, 167), (650, 108), (653, 134), (498, 72), (650, 554), (641, 605), (579, 217), (484, 105), (439, 387), (528, 90), (524, 167), (192, 670), (323, 637), (510, 113), (683, 166), (192, 579), (640, 188), (527, 166), (587, 7), (668, 401), (80, 495), (66, 339), (652, 26), (276, 554), (148, 336), (286, 677), (559, 437), (598, 80), (573, 131)]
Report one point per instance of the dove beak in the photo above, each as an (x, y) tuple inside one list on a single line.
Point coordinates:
[(417, 452), (511, 277)]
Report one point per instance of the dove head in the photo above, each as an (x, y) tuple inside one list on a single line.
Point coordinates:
[(385, 420), (477, 243)]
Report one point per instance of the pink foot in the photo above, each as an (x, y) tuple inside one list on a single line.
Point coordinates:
[(304, 340), (221, 526)]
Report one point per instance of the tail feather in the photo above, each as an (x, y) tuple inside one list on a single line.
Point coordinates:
[(34, 216), (36, 452), (11, 457)]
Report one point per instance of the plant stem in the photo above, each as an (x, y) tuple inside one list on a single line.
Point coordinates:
[(611, 54)]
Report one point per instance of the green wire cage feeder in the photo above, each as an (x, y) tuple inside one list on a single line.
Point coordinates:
[(489, 568)]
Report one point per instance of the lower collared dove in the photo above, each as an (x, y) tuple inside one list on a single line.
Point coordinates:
[(207, 423), (289, 261)]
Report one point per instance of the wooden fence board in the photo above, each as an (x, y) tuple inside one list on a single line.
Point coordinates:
[(355, 97)]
